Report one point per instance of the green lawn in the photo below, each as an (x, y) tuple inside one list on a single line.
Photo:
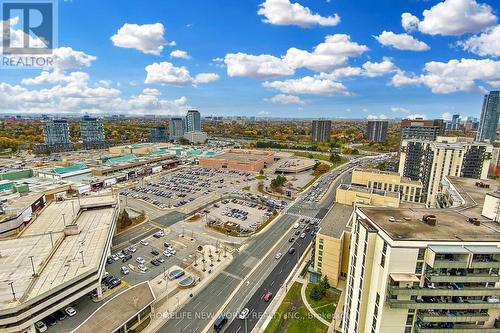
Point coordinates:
[(325, 307), (292, 316)]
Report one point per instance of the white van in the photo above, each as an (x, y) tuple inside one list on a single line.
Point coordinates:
[(296, 225)]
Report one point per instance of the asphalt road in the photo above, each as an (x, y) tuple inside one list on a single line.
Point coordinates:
[(195, 315), (272, 283)]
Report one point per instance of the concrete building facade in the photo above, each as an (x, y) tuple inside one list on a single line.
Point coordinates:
[(175, 128), (242, 160), (421, 271), (421, 129), (430, 161), (376, 130), (320, 130), (192, 121), (490, 116)]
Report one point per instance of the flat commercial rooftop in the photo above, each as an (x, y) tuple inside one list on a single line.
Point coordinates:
[(336, 220), (472, 194), (118, 310), (295, 165), (243, 156), (451, 225), (57, 258)]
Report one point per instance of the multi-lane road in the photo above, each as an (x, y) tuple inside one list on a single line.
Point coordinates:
[(237, 285)]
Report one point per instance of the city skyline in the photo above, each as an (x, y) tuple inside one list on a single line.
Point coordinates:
[(310, 60)]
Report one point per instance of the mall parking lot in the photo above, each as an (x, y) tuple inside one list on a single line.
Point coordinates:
[(249, 215), (186, 185), (151, 248)]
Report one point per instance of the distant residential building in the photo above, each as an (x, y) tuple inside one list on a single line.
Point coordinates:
[(193, 121), (455, 122), (376, 130), (91, 131), (490, 116), (56, 132), (175, 128), (196, 137), (429, 161), (320, 130), (158, 134), (421, 129)]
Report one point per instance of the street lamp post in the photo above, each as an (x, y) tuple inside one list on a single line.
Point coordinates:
[(32, 265), (64, 219), (83, 260), (11, 283), (51, 240)]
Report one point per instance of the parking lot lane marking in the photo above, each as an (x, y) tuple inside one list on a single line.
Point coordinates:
[(287, 261), (272, 283), (239, 328)]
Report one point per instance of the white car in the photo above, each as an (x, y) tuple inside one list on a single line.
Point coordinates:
[(160, 233), (142, 268), (125, 270), (40, 326), (302, 235), (132, 249), (171, 250), (121, 255), (114, 257), (244, 314), (167, 253), (70, 311), (144, 242), (278, 255), (140, 260)]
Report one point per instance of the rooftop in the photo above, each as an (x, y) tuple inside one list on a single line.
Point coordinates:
[(58, 255), (368, 190), (119, 309), (406, 224), (336, 220), (243, 156)]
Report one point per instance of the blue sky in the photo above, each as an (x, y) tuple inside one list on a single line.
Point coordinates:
[(258, 58)]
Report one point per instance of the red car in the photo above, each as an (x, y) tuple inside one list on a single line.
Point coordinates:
[(267, 296)]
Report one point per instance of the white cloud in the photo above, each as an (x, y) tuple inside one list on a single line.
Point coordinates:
[(399, 109), (263, 113), (374, 69), (58, 76), (485, 44), (180, 54), (452, 18), (256, 66), (446, 116), (401, 41), (283, 12), (333, 53), (147, 38), (308, 85), (409, 22), (285, 99), (374, 117), (166, 73), (455, 75), (66, 57)]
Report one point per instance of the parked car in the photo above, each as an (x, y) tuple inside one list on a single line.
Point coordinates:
[(109, 261), (291, 250), (142, 268), (60, 315), (40, 326), (144, 242), (291, 240), (140, 260), (127, 258), (70, 311), (155, 262), (303, 235), (278, 255), (125, 270), (132, 249), (154, 252)]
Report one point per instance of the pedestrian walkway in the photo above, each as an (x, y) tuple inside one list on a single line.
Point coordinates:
[(309, 307)]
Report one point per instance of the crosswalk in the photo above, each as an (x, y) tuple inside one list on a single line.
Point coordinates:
[(300, 216)]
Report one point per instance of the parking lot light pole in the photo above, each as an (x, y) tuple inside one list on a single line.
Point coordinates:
[(11, 283), (32, 265), (51, 240), (64, 219), (83, 260)]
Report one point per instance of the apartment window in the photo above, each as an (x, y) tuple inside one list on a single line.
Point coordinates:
[(407, 329), (320, 252), (418, 268), (320, 264), (320, 246), (409, 320), (421, 254), (384, 251)]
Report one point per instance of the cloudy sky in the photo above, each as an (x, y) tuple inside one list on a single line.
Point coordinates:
[(276, 58)]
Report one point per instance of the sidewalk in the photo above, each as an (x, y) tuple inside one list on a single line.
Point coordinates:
[(309, 307), (166, 307)]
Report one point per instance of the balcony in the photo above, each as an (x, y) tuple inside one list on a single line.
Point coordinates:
[(466, 318), (471, 278), (471, 305), (443, 263), (485, 264), (467, 291)]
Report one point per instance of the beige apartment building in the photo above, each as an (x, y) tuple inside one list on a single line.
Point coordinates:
[(354, 194), (331, 251), (425, 271), (430, 161)]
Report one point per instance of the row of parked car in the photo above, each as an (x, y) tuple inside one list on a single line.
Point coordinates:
[(59, 315)]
